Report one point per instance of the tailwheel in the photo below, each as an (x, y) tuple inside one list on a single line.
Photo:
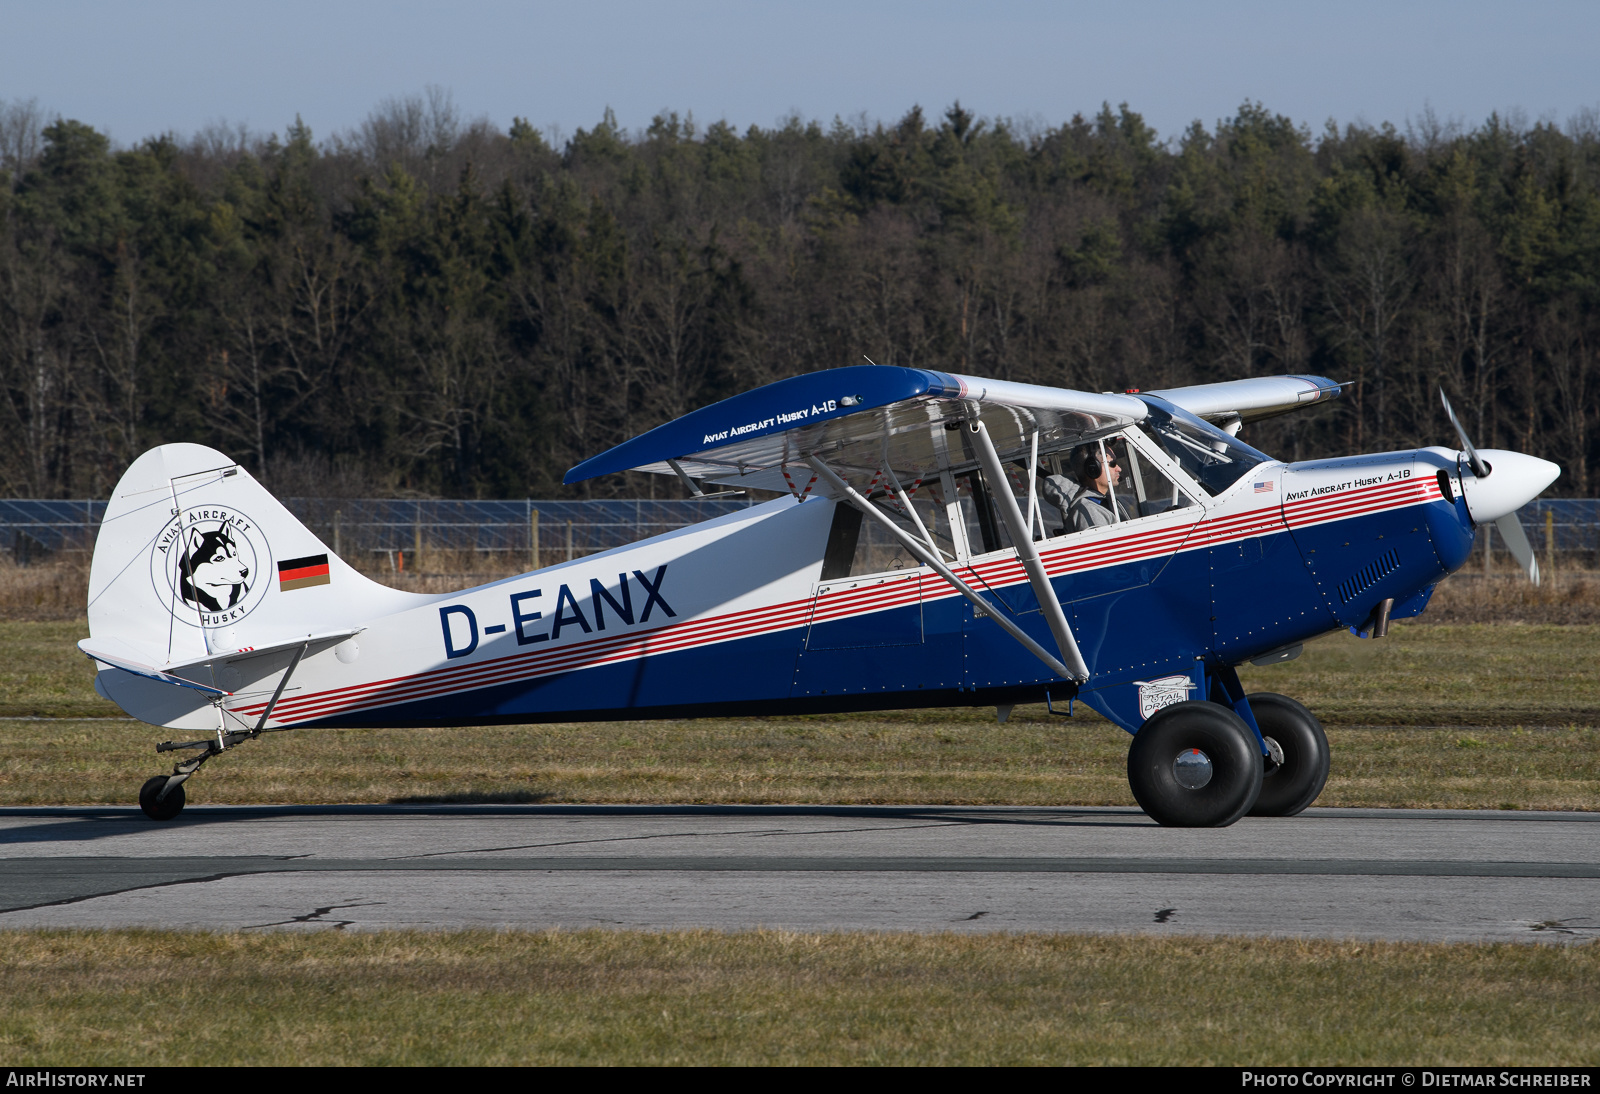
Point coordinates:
[(162, 797), (157, 807), (1300, 749), (1195, 765)]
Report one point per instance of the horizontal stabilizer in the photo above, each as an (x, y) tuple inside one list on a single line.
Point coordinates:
[(118, 660), (194, 672)]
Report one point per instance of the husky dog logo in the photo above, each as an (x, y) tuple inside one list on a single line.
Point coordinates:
[(206, 566), (210, 573)]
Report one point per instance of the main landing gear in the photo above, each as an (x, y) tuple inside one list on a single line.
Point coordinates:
[(1300, 749), (1197, 764)]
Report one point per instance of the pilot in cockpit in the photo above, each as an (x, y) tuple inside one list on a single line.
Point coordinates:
[(1058, 491), (1098, 475)]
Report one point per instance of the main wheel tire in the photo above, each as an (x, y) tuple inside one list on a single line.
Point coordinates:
[(165, 809), (1288, 787), (1195, 765)]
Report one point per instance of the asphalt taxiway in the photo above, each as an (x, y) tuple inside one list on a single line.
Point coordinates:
[(1329, 873)]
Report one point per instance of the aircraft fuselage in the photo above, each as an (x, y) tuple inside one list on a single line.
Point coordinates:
[(736, 609)]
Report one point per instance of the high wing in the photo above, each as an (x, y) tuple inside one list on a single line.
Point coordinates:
[(867, 417), (864, 432), (861, 419), (860, 431), (1234, 402)]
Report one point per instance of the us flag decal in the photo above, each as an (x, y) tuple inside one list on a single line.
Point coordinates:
[(302, 573)]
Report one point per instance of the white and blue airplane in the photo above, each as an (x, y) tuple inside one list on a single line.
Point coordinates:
[(941, 540)]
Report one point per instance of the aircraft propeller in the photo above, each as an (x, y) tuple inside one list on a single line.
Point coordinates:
[(1495, 498)]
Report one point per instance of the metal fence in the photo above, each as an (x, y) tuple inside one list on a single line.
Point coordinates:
[(556, 530), (1566, 530), (516, 530)]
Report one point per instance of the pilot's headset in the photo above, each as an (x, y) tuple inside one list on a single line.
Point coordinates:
[(1093, 463), (1094, 460)]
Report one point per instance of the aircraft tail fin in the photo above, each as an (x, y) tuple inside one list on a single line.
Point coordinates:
[(196, 559)]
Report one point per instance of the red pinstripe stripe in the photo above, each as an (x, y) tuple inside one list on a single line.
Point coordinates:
[(1002, 572), (772, 617)]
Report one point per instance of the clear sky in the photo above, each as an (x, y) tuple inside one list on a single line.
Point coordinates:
[(135, 69)]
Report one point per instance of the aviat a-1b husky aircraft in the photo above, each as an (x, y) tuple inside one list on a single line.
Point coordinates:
[(940, 540)]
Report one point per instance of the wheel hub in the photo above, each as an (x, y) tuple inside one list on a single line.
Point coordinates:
[(1192, 769)]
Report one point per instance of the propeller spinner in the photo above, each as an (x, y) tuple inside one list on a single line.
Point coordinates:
[(1501, 486)]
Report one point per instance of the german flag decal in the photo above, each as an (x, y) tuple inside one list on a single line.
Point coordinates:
[(302, 573)]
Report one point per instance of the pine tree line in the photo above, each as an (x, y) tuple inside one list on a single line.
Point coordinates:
[(433, 306)]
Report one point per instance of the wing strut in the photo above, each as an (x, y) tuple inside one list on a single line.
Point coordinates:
[(932, 560), (1027, 553)]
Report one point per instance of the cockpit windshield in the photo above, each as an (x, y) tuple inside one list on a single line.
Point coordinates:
[(1210, 456)]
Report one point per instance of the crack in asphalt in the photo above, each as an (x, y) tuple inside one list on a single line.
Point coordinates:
[(1562, 926), (758, 833), (133, 889), (316, 916), (574, 843)]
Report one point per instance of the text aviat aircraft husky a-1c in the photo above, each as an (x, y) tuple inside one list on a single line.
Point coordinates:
[(928, 550)]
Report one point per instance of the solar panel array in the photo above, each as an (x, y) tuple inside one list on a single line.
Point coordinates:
[(562, 529), (32, 529)]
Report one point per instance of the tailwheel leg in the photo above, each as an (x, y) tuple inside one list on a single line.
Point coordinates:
[(163, 797)]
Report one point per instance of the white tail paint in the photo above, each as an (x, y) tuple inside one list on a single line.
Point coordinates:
[(185, 597)]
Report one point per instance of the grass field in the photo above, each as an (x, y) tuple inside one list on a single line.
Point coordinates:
[(701, 997), (1456, 715), (1464, 716)]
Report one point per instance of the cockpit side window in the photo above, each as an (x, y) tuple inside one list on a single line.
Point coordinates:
[(1147, 488), (1207, 454), (859, 546), (1139, 487), (1069, 495)]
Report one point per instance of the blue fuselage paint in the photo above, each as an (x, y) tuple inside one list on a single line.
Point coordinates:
[(1167, 615)]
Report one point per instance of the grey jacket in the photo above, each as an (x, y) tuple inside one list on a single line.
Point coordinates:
[(1090, 511), (1060, 491)]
